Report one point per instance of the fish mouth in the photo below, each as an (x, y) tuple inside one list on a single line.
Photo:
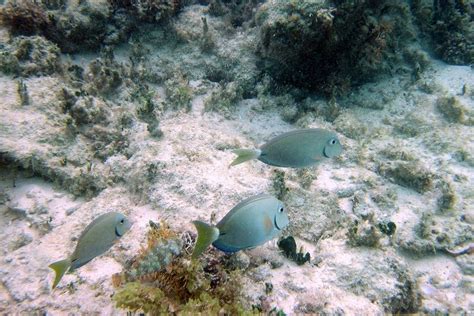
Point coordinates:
[(275, 223), (117, 233)]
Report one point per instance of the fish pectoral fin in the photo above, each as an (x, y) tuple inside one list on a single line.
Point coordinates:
[(207, 234), (59, 267)]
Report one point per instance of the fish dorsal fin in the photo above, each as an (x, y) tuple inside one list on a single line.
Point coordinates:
[(242, 204), (292, 133)]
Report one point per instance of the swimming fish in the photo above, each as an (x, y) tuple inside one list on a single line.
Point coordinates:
[(250, 223), (96, 239), (296, 149)]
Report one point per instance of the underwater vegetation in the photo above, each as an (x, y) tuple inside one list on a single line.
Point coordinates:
[(85, 25), (235, 12), (448, 27), (148, 10), (163, 279), (368, 231), (224, 99), (30, 56), (330, 49), (288, 245), (454, 111), (411, 174), (101, 116)]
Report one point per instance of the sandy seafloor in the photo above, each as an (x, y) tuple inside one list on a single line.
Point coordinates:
[(40, 219)]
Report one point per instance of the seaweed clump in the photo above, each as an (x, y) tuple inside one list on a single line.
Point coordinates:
[(448, 26), (149, 10), (178, 92), (364, 233), (85, 24), (454, 111), (329, 49), (288, 246), (30, 56), (24, 17), (410, 174), (164, 279), (72, 29), (235, 12), (224, 99)]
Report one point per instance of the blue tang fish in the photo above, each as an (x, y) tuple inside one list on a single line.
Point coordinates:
[(97, 238), (250, 223), (296, 149)]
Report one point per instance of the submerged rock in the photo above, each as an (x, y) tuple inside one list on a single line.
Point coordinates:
[(454, 110), (331, 48), (410, 174), (30, 56)]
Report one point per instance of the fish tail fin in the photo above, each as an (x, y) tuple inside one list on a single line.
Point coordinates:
[(245, 155), (207, 234), (59, 267)]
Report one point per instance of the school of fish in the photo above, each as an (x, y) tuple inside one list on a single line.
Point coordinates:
[(250, 223)]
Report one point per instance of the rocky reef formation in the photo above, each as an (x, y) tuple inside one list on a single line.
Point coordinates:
[(332, 48), (448, 28), (135, 106), (83, 25)]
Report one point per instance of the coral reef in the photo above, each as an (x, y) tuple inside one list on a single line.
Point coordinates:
[(30, 56), (411, 174), (224, 99), (87, 114), (160, 280), (102, 76), (235, 12), (442, 233), (448, 25), (364, 233), (162, 246), (149, 10), (178, 92), (329, 49), (25, 17), (454, 110), (86, 24)]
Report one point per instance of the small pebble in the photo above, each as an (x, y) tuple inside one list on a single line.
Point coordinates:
[(238, 260)]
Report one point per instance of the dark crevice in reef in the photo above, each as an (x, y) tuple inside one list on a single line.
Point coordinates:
[(82, 185)]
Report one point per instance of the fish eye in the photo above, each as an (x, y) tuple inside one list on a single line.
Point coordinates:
[(122, 221), (333, 141), (281, 209)]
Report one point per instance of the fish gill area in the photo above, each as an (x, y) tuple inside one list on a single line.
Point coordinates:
[(134, 106)]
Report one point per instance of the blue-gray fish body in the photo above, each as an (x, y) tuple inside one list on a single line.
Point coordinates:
[(250, 223), (295, 149), (97, 238)]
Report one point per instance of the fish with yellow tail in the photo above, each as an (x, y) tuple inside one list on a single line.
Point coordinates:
[(250, 223), (97, 238), (296, 149)]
